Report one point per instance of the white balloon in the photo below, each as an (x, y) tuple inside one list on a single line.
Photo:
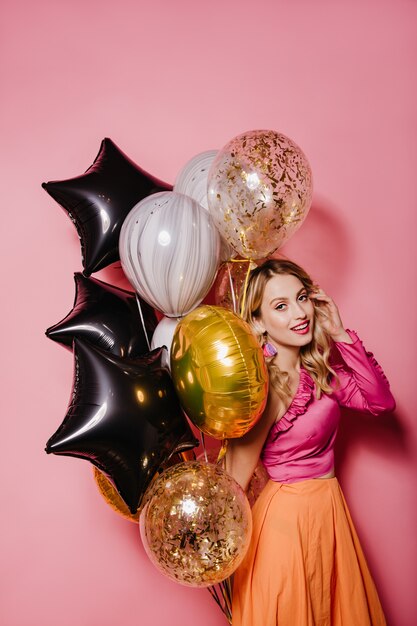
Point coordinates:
[(192, 181), (164, 333), (169, 249)]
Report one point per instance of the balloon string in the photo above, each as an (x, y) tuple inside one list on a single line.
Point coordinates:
[(143, 322), (232, 290), (227, 596), (214, 594), (222, 452), (203, 443), (245, 288), (224, 606)]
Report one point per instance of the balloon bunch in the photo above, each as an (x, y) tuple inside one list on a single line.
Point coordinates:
[(126, 413), (124, 416)]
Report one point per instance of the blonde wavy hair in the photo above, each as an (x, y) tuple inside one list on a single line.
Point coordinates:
[(314, 356)]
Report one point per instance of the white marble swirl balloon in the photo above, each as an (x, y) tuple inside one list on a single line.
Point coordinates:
[(169, 249), (192, 181)]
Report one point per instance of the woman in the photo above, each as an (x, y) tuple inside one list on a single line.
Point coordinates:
[(305, 565)]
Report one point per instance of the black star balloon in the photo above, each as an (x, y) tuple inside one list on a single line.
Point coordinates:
[(107, 317), (124, 417), (99, 200)]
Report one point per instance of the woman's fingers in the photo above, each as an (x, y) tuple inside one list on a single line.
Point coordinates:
[(326, 309), (321, 296)]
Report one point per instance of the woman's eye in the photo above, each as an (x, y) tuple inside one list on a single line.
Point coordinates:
[(280, 307), (303, 297)]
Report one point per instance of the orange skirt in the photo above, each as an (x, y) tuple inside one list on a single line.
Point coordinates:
[(305, 565)]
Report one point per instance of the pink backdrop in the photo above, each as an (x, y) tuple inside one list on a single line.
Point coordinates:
[(166, 80)]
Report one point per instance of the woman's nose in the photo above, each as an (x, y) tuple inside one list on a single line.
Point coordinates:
[(299, 312)]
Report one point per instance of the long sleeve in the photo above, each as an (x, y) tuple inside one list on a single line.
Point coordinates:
[(362, 383)]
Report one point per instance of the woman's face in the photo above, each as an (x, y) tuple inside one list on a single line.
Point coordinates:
[(287, 313)]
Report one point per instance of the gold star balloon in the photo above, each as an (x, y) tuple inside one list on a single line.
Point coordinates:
[(113, 498)]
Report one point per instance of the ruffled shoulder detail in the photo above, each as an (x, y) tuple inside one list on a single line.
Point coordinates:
[(299, 404)]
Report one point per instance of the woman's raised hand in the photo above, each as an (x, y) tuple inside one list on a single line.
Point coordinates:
[(329, 316)]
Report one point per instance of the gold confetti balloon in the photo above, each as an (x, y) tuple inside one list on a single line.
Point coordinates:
[(196, 525), (259, 191), (219, 372)]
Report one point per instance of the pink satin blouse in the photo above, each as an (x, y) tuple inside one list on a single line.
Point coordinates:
[(300, 445)]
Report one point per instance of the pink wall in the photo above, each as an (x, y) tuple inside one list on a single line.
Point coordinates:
[(166, 80)]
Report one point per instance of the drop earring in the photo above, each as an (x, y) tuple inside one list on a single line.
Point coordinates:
[(268, 349)]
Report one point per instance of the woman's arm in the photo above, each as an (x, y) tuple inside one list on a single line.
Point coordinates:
[(362, 383), (243, 453)]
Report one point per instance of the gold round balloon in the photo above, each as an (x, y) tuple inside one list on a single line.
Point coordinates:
[(197, 524), (219, 372), (259, 191)]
